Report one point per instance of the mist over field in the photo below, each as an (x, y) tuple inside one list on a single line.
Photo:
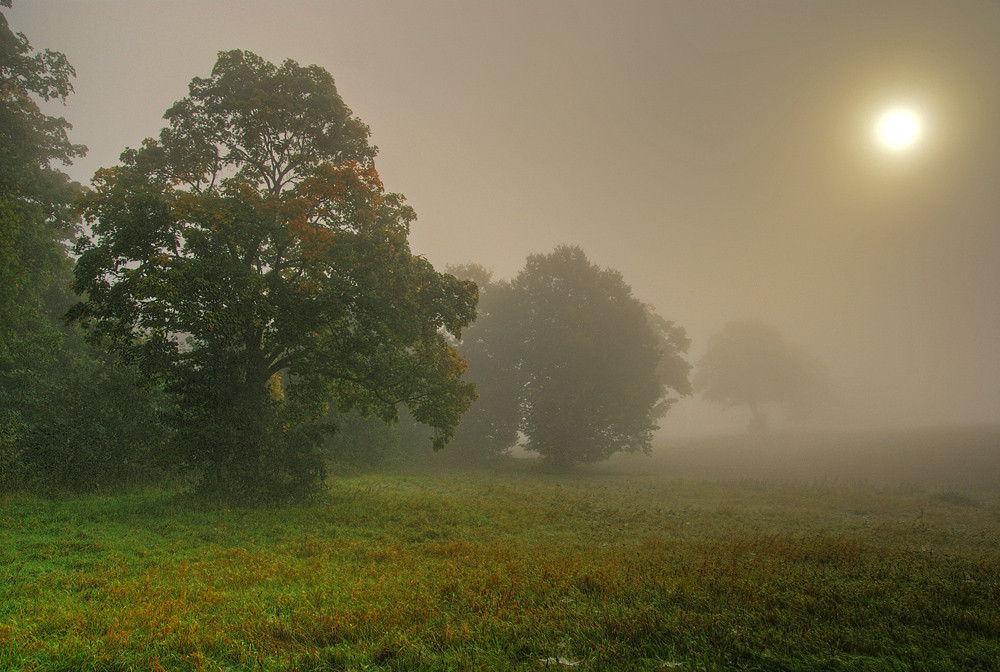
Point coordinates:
[(721, 156), (499, 335), (936, 459)]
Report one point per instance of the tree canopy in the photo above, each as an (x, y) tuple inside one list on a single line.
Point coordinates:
[(751, 363), (572, 361), (251, 258), (35, 197)]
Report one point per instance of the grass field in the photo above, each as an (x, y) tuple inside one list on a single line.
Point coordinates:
[(467, 570)]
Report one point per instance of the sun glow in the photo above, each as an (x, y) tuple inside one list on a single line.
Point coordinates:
[(899, 128)]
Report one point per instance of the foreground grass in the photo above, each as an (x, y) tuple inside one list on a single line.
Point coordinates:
[(470, 571)]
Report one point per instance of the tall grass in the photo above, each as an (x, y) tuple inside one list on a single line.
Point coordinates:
[(477, 571)]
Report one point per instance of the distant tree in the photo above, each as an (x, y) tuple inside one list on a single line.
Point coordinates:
[(251, 258), (750, 363), (568, 358), (492, 347)]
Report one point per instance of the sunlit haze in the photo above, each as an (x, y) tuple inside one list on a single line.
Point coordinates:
[(899, 128), (730, 159)]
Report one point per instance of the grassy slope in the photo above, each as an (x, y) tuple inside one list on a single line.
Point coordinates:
[(483, 572)]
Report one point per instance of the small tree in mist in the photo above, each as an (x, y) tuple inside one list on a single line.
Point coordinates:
[(750, 363), (566, 356)]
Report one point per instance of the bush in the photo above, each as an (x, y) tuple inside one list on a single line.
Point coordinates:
[(369, 443), (84, 425)]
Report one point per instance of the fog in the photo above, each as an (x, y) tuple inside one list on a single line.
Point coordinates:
[(721, 155)]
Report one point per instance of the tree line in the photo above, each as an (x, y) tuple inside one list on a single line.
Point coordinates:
[(62, 403), (242, 284)]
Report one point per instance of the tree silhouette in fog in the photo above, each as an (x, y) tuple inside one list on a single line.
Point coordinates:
[(750, 363), (566, 357), (491, 346)]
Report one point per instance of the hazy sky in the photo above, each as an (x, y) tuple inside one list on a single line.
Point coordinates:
[(720, 154)]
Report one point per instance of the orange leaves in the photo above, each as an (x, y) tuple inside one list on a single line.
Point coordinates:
[(341, 179), (316, 241), (332, 187), (241, 191), (447, 361), (454, 363), (188, 207), (333, 193), (276, 387), (104, 178)]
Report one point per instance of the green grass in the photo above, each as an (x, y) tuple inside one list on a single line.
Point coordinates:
[(474, 571)]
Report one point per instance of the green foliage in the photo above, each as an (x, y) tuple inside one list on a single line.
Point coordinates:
[(88, 425), (35, 217), (750, 363), (68, 418), (492, 347), (367, 443), (469, 571), (566, 356), (254, 239)]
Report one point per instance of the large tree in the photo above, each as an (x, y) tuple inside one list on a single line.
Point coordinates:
[(750, 363), (572, 361), (251, 258)]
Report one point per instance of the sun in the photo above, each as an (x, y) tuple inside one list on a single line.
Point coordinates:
[(899, 128)]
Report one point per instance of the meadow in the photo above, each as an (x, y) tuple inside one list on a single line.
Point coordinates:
[(617, 568)]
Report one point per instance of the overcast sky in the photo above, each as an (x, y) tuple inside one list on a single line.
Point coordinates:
[(720, 154)]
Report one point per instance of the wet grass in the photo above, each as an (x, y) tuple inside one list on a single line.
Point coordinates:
[(477, 571)]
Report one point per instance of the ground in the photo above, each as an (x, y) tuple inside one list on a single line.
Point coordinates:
[(475, 570)]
